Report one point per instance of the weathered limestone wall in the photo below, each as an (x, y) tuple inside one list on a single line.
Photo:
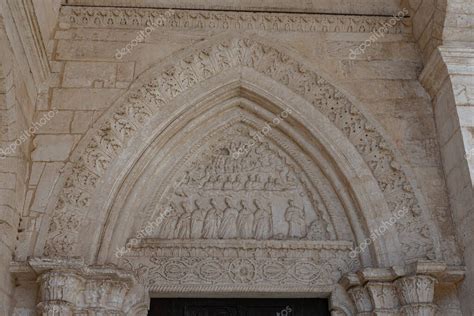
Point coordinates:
[(438, 22), (449, 78), (88, 74), (16, 112), (90, 69), (23, 73), (446, 44)]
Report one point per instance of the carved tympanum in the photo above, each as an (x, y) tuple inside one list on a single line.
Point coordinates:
[(254, 195)]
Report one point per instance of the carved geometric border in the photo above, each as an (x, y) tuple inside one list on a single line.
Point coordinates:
[(133, 18), (112, 136), (212, 266)]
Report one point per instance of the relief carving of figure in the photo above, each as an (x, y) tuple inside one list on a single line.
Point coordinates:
[(197, 220), (296, 220), (263, 221), (212, 222), (168, 226), (245, 221), (183, 227), (228, 228)]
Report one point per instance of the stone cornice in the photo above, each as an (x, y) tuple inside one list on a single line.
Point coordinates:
[(360, 7), (103, 17), (37, 266), (439, 270)]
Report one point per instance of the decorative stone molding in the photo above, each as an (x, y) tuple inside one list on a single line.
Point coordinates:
[(346, 7), (407, 290), (220, 20), (217, 266), (105, 143)]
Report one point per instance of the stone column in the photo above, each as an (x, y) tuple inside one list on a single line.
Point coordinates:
[(401, 290), (358, 293), (71, 288), (361, 299), (381, 291), (59, 292), (416, 295)]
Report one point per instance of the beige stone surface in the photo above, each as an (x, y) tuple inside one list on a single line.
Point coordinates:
[(52, 147), (137, 170)]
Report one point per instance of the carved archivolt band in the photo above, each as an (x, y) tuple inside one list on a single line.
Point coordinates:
[(123, 123)]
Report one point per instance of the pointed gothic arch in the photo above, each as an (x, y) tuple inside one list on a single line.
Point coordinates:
[(106, 151)]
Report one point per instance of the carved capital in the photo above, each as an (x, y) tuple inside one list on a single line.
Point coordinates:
[(416, 294), (361, 298), (59, 286), (416, 289), (69, 287), (384, 298), (108, 294)]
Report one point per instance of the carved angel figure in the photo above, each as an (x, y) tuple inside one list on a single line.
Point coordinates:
[(296, 221), (263, 221), (212, 222), (228, 228)]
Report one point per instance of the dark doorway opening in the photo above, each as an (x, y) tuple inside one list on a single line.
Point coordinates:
[(238, 307)]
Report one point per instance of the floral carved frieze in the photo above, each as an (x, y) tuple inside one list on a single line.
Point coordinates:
[(208, 266), (109, 139), (218, 20)]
